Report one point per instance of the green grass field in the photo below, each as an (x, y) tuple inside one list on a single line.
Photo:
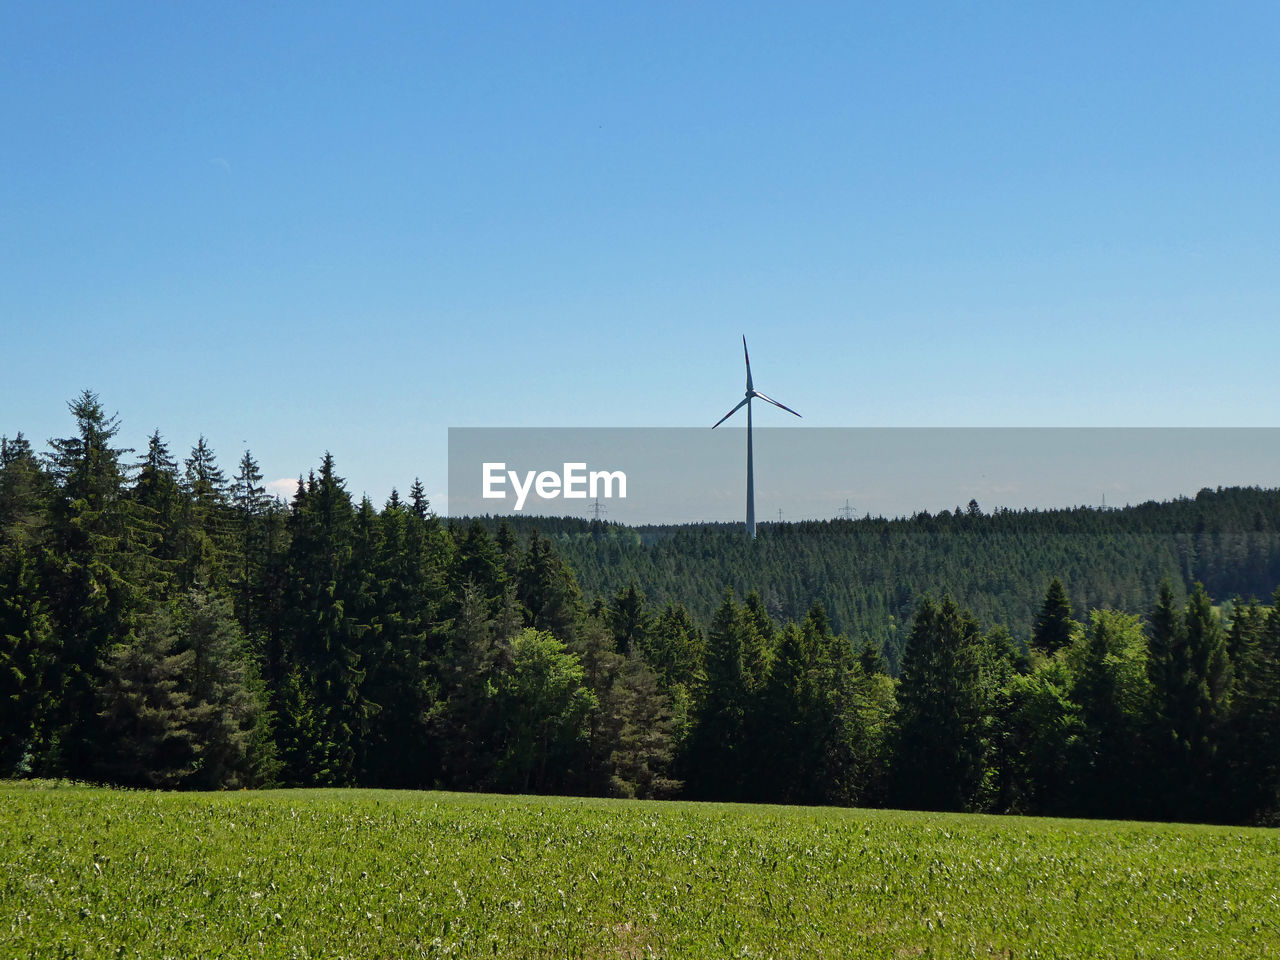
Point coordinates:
[(88, 872)]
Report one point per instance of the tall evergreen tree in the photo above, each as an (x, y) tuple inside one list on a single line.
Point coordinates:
[(548, 589), (628, 619), (28, 658), (204, 527), (1256, 713), (149, 723), (939, 754), (1203, 702), (250, 507), (323, 634), (1114, 694), (1054, 627), (89, 578), (25, 490), (717, 755)]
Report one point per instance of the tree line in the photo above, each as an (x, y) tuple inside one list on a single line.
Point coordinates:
[(869, 574), (164, 625)]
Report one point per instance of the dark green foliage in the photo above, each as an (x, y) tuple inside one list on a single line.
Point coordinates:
[(90, 559), (1191, 677), (25, 489), (1256, 712), (180, 702), (548, 590), (939, 749), (628, 619), (248, 528), (716, 759), (869, 574), (148, 720), (159, 507), (1114, 694), (231, 727), (1054, 626), (324, 634), (641, 734), (28, 656), (158, 629), (480, 564), (673, 645)]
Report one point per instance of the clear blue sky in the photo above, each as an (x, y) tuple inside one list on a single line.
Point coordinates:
[(348, 227)]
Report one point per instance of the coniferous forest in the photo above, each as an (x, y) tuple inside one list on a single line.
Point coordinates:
[(164, 623)]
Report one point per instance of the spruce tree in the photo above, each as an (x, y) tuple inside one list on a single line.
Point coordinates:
[(628, 619), (204, 530), (323, 632), (90, 579), (939, 754), (148, 721), (718, 754), (1256, 713), (28, 658), (250, 507), (1054, 626)]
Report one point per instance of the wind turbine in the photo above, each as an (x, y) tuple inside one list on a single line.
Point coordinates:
[(746, 402)]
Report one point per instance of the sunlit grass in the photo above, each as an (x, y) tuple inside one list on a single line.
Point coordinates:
[(88, 872)]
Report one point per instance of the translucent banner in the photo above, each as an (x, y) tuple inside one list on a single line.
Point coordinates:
[(657, 475)]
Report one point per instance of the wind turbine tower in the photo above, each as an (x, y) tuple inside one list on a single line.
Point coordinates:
[(746, 402)]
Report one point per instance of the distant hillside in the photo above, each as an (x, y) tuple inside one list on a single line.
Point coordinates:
[(869, 574)]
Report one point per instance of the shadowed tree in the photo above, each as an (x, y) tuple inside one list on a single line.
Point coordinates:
[(1054, 626), (938, 755)]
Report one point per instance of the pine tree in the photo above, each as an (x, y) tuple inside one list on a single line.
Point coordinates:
[(25, 490), (159, 507), (230, 725), (28, 657), (628, 619), (462, 723), (204, 529), (939, 754), (1114, 695), (1054, 627), (398, 750), (1256, 714), (418, 500), (717, 755), (250, 507), (322, 633), (782, 728), (548, 590), (871, 659), (89, 576), (1202, 703), (478, 562), (642, 733), (149, 725)]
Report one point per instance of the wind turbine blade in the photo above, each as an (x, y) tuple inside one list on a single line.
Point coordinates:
[(746, 356), (741, 403), (775, 402)]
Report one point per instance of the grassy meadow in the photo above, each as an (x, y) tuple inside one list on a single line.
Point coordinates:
[(88, 872)]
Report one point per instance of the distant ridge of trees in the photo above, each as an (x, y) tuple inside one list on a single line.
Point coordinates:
[(163, 624), (869, 574)]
